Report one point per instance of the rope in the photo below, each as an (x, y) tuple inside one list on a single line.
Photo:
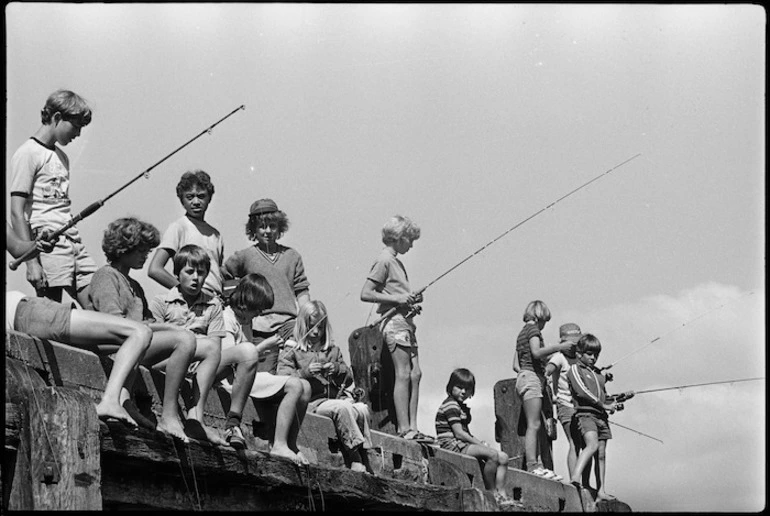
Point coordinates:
[(184, 479)]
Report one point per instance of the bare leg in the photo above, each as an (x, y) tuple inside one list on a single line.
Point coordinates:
[(572, 452), (209, 352), (414, 391), (179, 347), (502, 471), (106, 331), (402, 366), (591, 446), (601, 459), (246, 358), (532, 409), (297, 422), (293, 392)]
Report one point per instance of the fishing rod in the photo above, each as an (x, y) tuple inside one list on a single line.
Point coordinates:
[(672, 331), (33, 251), (637, 432), (678, 387), (554, 203)]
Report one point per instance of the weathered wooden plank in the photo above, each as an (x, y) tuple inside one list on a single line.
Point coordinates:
[(373, 370), (218, 468), (510, 425)]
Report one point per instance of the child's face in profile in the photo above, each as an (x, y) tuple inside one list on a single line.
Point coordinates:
[(195, 202), (402, 245), (136, 258), (191, 279), (589, 356)]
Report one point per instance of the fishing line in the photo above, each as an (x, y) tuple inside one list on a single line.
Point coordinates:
[(637, 432), (33, 251), (672, 331), (554, 203), (646, 391)]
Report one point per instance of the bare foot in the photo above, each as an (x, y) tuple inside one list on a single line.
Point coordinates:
[(357, 466), (172, 427), (109, 411), (301, 458), (283, 452), (601, 495)]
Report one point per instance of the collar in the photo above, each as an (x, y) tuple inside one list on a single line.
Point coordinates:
[(174, 295)]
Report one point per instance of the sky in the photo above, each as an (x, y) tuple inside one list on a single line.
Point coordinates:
[(467, 118)]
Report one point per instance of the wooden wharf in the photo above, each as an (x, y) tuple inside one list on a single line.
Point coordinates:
[(58, 455)]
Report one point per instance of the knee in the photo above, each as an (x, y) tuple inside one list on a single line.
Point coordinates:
[(250, 357), (502, 458), (415, 376), (186, 341), (210, 348), (144, 335)]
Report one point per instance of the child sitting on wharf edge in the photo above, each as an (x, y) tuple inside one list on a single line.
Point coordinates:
[(388, 285), (47, 319), (318, 360), (246, 301), (126, 244), (187, 306), (194, 191), (281, 266), (591, 407), (452, 420)]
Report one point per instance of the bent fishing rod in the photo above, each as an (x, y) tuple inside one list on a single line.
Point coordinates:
[(33, 251), (605, 368), (554, 203)]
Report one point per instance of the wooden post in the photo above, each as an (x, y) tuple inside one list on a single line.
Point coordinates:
[(511, 425), (57, 463), (373, 372)]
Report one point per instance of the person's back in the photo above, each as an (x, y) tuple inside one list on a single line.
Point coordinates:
[(40, 198)]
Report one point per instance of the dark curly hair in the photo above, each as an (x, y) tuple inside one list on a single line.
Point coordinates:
[(124, 235), (278, 218), (194, 178)]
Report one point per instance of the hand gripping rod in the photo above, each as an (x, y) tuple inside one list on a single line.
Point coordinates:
[(33, 251), (554, 203)]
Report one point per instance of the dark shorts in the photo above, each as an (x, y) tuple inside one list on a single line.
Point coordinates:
[(453, 444), (43, 318), (591, 423)]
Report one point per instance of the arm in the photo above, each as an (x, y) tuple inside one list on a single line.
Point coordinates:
[(540, 353), (303, 297), (35, 274), (371, 293), (157, 269), (17, 247), (553, 371), (462, 435)]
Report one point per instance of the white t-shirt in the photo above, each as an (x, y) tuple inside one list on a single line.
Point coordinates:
[(563, 394), (42, 173), (186, 231)]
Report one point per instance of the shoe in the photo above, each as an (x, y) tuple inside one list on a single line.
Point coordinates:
[(503, 500), (546, 473), (234, 437)]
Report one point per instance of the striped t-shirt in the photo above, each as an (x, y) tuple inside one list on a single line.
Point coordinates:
[(449, 413)]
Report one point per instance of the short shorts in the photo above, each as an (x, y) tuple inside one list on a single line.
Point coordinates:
[(68, 265), (528, 385), (453, 444), (268, 360), (564, 413), (591, 423), (43, 318), (400, 332)]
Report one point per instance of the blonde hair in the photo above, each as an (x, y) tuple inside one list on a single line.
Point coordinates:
[(399, 227), (302, 327), (537, 311)]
